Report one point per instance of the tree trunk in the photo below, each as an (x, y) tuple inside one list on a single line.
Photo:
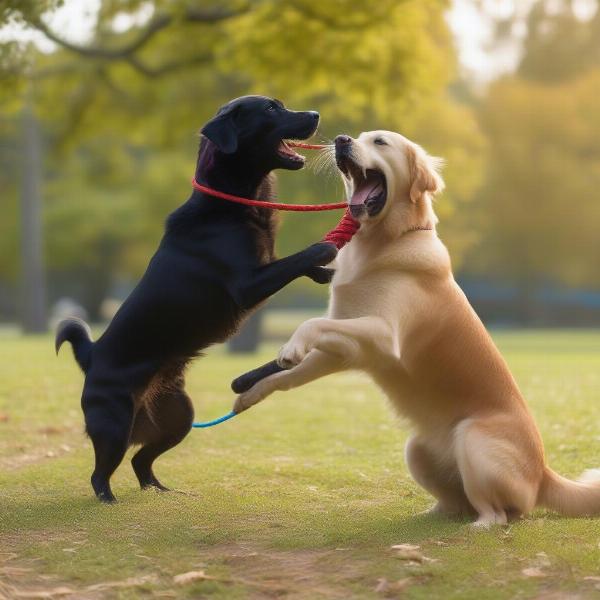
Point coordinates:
[(248, 338), (34, 318)]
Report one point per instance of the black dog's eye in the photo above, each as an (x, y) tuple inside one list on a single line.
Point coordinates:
[(380, 142), (272, 107)]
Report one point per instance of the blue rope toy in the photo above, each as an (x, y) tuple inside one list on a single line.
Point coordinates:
[(215, 421)]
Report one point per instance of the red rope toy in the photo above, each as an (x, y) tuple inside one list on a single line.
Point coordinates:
[(340, 235)]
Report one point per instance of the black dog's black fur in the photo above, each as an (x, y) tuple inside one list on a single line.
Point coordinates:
[(214, 265)]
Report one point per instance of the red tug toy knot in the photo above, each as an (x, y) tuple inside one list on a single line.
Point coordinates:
[(342, 233)]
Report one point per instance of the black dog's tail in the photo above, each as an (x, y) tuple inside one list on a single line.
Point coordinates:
[(78, 333)]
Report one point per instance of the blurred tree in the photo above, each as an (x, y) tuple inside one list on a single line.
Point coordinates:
[(559, 44), (120, 112), (538, 208)]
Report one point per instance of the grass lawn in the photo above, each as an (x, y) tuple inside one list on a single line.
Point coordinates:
[(301, 497)]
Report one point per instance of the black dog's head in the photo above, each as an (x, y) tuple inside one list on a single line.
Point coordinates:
[(254, 129)]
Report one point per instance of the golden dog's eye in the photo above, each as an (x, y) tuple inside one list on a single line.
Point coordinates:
[(380, 142)]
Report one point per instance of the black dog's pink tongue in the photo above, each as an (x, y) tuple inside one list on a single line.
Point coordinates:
[(368, 187)]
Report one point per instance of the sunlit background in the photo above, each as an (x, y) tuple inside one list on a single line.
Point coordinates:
[(101, 102)]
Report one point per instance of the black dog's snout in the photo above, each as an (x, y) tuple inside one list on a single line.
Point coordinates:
[(314, 114)]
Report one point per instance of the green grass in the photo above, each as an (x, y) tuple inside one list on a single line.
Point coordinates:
[(300, 497)]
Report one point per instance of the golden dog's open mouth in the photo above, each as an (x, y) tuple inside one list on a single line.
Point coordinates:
[(369, 189), (369, 194)]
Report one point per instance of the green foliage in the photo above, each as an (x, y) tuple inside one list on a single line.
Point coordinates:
[(541, 195), (372, 59), (539, 207)]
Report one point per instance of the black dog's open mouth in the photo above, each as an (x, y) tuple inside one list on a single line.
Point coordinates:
[(288, 153), (303, 127)]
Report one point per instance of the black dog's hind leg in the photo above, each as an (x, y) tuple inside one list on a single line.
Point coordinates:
[(160, 426), (270, 278), (108, 419)]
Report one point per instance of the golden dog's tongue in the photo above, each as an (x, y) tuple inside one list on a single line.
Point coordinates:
[(371, 186)]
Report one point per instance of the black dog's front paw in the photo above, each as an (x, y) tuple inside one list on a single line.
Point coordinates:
[(244, 382), (321, 253), (321, 274)]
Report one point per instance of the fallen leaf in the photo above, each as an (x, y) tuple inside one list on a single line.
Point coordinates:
[(3, 418), (190, 577), (390, 588), (413, 555), (534, 572), (410, 552), (592, 578)]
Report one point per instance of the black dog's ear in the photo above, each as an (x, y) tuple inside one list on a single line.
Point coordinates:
[(222, 132)]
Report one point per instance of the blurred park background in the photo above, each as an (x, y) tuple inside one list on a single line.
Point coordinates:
[(101, 102)]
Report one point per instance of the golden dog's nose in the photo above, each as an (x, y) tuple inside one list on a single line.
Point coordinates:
[(343, 140)]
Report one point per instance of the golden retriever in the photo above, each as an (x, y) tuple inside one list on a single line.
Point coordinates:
[(397, 313)]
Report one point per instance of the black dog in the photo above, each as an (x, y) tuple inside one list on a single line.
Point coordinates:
[(214, 265)]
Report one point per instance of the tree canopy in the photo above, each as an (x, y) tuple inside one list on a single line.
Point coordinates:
[(539, 206)]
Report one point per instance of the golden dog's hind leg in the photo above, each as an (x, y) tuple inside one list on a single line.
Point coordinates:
[(494, 470), (316, 364), (437, 478)]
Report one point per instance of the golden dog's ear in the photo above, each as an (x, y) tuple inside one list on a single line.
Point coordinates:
[(424, 173)]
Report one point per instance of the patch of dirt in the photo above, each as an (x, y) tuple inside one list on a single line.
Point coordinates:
[(291, 574), (23, 578), (264, 574)]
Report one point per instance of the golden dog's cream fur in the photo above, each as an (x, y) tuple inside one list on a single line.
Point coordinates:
[(397, 313)]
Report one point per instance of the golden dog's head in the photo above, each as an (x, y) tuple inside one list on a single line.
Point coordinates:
[(388, 177)]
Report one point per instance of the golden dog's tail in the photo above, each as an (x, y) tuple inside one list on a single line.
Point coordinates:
[(571, 498)]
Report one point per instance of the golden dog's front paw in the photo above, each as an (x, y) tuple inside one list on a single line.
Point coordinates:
[(299, 345), (288, 357), (292, 353)]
